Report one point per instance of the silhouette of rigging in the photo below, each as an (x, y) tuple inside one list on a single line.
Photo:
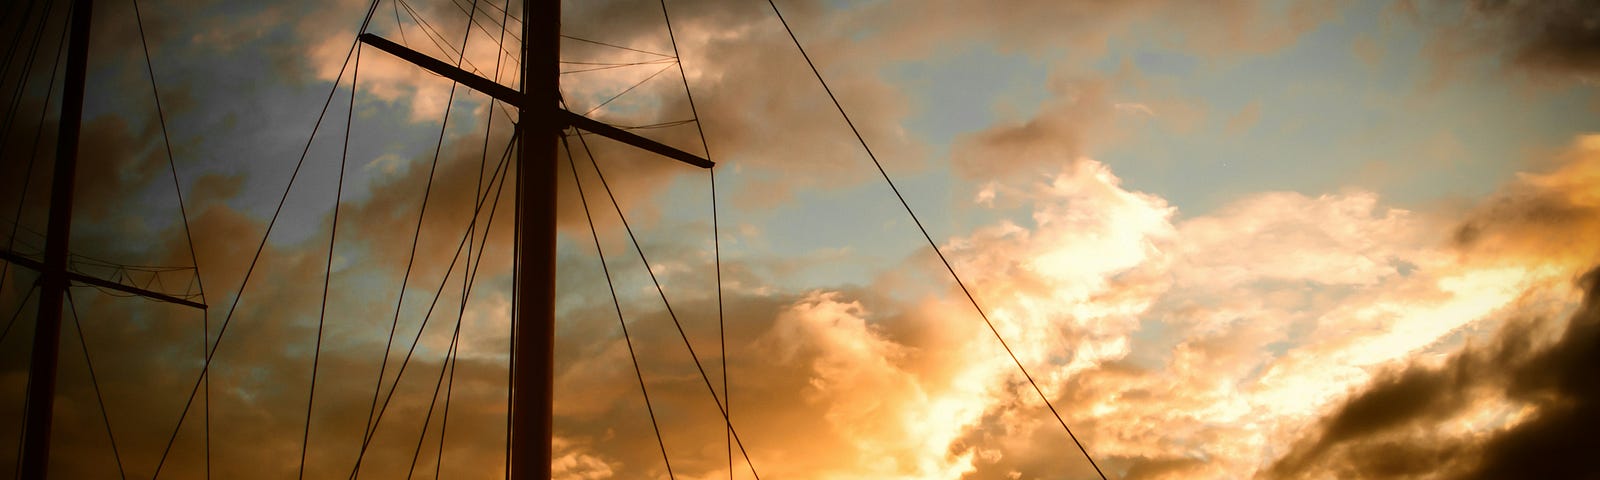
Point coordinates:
[(541, 125)]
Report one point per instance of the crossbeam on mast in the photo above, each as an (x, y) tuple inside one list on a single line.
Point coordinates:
[(26, 262), (515, 98)]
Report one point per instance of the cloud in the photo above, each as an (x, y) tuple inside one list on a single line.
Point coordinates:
[(1551, 36), (1486, 410), (1221, 27), (1550, 218), (1335, 240), (859, 376), (1338, 286), (1550, 40), (573, 463), (1060, 131), (1403, 424)]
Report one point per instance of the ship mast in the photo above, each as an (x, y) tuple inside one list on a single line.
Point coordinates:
[(533, 320), (55, 276), (541, 123), (53, 273), (541, 120)]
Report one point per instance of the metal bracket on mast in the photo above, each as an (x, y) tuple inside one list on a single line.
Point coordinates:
[(515, 98)]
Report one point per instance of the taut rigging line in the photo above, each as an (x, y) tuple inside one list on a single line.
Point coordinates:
[(933, 244)]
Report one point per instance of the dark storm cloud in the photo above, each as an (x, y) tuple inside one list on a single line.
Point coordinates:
[(1556, 36), (1547, 39), (1392, 429)]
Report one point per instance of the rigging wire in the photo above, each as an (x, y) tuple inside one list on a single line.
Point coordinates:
[(716, 242), (469, 278), (183, 211), (398, 25), (22, 79), (474, 18), (406, 277), (447, 48), (501, 24), (22, 201), (511, 339), (38, 135), (449, 354), (672, 123), (437, 294), (505, 13), (625, 92), (428, 31), (23, 305), (94, 381), (79, 260), (722, 329), (421, 216), (619, 64), (450, 51), (22, 432), (327, 272), (205, 369), (483, 161), (637, 372), (17, 34), (16, 39), (516, 259), (166, 140), (685, 336), (13, 103), (372, 428), (612, 45), (468, 274), (452, 356), (611, 66), (933, 244)]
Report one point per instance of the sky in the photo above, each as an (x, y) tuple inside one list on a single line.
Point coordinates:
[(1233, 239)]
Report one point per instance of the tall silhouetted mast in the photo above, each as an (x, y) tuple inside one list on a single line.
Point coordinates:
[(54, 275), (533, 327), (541, 121)]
